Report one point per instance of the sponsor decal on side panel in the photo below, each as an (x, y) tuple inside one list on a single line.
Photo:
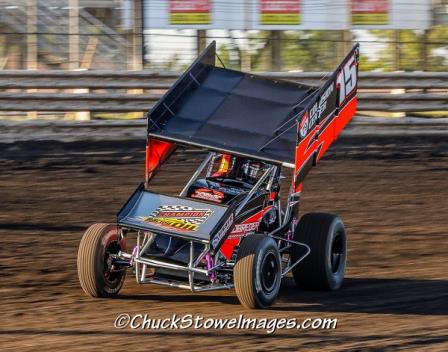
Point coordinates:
[(222, 231), (310, 118), (243, 229)]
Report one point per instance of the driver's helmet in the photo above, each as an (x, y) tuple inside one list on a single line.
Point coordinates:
[(252, 170)]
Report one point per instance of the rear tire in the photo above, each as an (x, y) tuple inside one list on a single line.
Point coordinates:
[(257, 272), (94, 270), (324, 267)]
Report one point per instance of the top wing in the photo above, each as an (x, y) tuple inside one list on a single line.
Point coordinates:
[(243, 114), (229, 111)]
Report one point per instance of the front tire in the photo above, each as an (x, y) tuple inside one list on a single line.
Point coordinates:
[(96, 276), (324, 267), (257, 272)]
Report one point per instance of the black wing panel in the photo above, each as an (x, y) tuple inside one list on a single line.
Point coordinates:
[(228, 110)]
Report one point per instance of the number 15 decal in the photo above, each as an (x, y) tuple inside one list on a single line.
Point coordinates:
[(347, 79)]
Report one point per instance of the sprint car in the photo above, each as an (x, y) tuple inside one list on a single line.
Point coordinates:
[(228, 227)]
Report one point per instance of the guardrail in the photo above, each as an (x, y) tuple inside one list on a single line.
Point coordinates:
[(116, 91)]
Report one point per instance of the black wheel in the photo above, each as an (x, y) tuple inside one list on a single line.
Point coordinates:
[(324, 267), (95, 272), (257, 271)]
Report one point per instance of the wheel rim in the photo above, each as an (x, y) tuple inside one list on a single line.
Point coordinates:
[(269, 272), (337, 253), (111, 276)]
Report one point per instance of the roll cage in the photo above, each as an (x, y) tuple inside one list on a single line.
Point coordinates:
[(209, 270)]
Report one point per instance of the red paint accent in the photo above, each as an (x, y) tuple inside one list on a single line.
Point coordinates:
[(302, 150), (157, 152), (332, 132), (285, 6), (307, 147), (230, 243), (190, 6)]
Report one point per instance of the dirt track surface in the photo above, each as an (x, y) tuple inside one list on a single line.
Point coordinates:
[(391, 194)]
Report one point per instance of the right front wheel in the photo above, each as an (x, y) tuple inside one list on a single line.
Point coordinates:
[(324, 267), (257, 271)]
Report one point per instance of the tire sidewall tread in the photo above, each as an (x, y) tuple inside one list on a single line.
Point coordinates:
[(318, 230), (90, 262), (247, 271)]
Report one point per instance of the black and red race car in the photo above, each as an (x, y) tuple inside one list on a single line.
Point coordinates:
[(227, 227)]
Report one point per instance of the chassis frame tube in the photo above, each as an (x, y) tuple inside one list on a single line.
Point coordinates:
[(197, 173), (194, 288), (166, 265), (138, 254), (138, 259)]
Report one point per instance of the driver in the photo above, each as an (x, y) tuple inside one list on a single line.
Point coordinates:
[(239, 168)]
